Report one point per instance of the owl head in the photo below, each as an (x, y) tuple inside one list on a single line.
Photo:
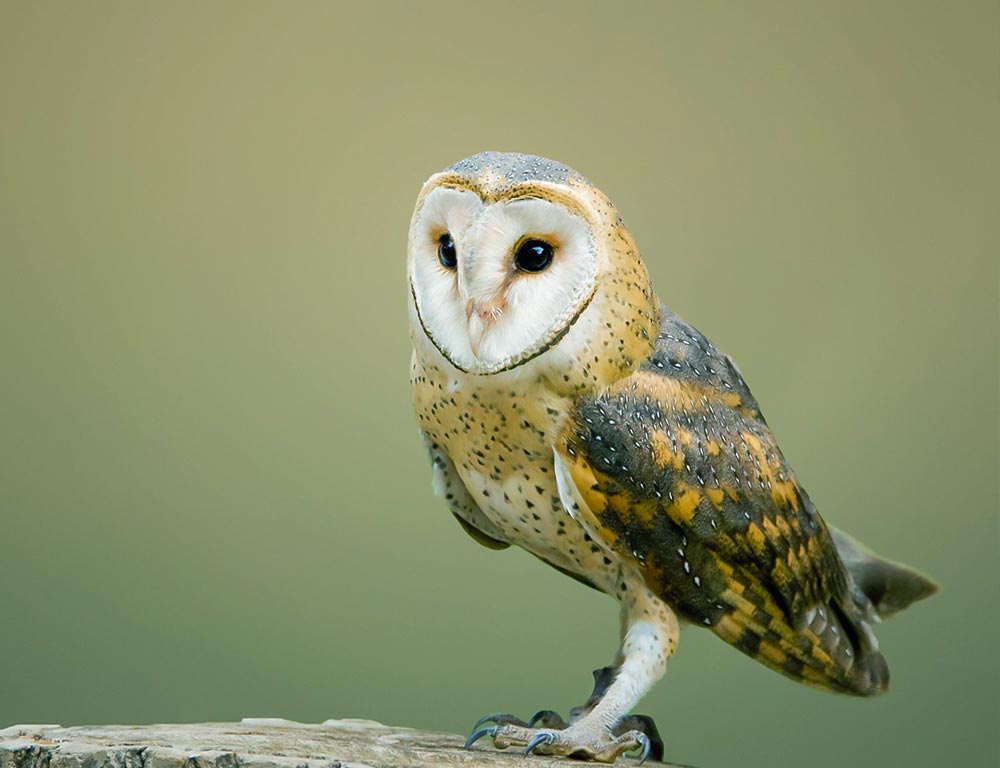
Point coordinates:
[(519, 263)]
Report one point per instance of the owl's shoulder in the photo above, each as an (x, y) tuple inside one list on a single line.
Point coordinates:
[(684, 354), (683, 438)]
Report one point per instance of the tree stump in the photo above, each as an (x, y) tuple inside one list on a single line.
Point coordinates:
[(251, 743)]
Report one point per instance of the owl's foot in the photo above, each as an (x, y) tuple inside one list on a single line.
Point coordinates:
[(582, 741), (548, 720)]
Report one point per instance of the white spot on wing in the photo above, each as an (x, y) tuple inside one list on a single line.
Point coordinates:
[(573, 502)]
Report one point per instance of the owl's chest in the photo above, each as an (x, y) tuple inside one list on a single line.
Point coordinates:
[(501, 443)]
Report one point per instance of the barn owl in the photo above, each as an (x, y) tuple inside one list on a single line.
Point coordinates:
[(568, 412)]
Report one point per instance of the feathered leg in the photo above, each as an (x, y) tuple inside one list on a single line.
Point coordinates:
[(650, 636)]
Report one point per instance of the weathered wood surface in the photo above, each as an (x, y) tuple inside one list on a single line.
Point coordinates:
[(252, 743)]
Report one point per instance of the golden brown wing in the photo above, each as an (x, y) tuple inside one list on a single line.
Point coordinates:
[(676, 470)]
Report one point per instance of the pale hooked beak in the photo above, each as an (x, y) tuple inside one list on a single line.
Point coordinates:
[(482, 315)]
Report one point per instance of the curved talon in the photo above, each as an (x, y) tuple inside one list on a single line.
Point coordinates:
[(643, 724), (548, 718), (488, 731), (643, 739), (539, 715), (490, 718), (538, 740)]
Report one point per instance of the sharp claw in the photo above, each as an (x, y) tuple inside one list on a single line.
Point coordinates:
[(488, 731), (536, 717), (538, 740), (644, 740), (490, 718)]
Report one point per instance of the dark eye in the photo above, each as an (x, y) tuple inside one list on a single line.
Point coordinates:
[(533, 256), (447, 254)]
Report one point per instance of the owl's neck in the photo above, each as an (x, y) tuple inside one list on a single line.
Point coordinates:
[(608, 342)]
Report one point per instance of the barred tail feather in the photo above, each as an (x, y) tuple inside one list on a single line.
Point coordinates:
[(890, 586), (832, 647)]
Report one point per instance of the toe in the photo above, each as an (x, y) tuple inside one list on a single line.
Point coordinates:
[(631, 741), (541, 738), (643, 724), (489, 730)]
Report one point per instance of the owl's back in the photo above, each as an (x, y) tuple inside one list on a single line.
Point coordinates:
[(682, 477)]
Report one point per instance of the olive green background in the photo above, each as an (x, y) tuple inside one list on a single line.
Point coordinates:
[(213, 499)]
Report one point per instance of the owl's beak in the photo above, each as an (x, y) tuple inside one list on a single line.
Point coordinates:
[(482, 315), (477, 329)]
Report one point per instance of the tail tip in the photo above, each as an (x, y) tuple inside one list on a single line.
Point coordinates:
[(871, 676)]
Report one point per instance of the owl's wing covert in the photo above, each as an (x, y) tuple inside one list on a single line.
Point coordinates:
[(675, 470), (449, 485)]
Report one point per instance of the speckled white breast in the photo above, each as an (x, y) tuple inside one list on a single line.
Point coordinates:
[(499, 433)]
